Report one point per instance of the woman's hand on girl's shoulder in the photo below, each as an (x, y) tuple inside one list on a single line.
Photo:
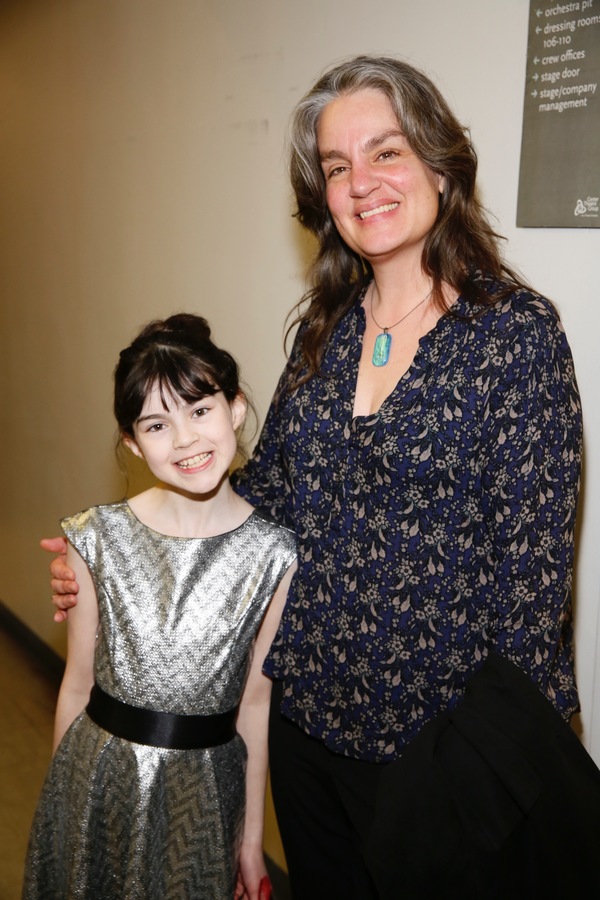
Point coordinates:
[(63, 583)]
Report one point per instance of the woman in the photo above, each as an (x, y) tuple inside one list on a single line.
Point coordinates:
[(424, 443)]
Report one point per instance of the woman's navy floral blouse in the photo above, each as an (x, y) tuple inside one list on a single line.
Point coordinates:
[(428, 533)]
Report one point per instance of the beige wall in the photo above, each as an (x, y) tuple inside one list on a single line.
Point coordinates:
[(142, 172)]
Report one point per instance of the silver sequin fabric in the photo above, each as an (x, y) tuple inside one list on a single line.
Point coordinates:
[(118, 820)]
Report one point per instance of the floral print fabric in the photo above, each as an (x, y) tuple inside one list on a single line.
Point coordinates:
[(428, 533)]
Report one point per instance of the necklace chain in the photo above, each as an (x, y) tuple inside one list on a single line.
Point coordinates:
[(405, 316)]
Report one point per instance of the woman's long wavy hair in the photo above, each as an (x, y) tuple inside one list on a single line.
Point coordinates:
[(461, 242)]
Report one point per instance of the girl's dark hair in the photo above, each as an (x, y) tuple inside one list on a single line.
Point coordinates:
[(178, 355), (461, 242)]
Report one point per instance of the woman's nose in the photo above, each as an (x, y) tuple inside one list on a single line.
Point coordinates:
[(363, 179)]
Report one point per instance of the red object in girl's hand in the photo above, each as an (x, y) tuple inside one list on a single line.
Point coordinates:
[(265, 889)]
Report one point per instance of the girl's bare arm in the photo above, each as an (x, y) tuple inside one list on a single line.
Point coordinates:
[(253, 723)]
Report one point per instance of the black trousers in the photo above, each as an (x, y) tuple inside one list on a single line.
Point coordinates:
[(324, 804)]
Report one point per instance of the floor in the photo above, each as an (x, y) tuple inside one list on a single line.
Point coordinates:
[(27, 700)]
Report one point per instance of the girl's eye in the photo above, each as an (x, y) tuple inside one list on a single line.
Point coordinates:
[(201, 411), (156, 426)]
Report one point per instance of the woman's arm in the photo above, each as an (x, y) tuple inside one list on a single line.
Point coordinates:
[(531, 463), (252, 724), (262, 480), (78, 679)]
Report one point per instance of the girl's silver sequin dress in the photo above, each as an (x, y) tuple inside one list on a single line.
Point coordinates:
[(118, 820)]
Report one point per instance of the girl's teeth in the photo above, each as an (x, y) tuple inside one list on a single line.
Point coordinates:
[(193, 461)]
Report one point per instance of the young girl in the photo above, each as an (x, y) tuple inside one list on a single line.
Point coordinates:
[(156, 788)]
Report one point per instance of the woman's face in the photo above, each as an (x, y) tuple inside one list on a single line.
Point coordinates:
[(383, 199)]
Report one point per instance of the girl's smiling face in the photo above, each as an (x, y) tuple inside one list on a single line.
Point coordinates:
[(383, 199), (188, 446)]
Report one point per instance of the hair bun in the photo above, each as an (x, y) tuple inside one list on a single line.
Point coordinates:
[(186, 323), (184, 327), (178, 356)]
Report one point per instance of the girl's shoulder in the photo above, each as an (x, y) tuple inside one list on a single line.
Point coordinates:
[(277, 535), (95, 528), (94, 518)]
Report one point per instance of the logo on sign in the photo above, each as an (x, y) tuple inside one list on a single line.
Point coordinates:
[(588, 208)]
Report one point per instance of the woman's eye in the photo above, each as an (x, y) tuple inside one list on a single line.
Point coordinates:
[(388, 154), (339, 170)]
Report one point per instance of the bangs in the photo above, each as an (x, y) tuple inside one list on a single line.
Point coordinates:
[(184, 366), (175, 379), (179, 375)]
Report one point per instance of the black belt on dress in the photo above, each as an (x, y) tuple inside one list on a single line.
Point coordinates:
[(160, 729)]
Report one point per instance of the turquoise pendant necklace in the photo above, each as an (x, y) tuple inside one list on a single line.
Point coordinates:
[(383, 341)]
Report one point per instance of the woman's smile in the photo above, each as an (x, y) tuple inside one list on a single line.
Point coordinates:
[(386, 207), (383, 199)]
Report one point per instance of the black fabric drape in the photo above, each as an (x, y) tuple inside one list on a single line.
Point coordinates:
[(495, 799)]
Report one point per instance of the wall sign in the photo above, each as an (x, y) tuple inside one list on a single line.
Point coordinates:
[(559, 182)]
